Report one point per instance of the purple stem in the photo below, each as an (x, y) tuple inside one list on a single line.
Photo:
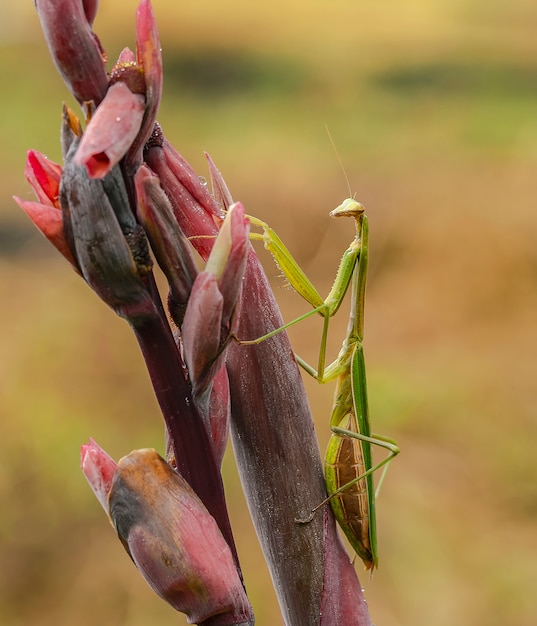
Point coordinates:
[(192, 445)]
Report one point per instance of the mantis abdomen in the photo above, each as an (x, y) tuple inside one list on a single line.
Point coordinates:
[(344, 463)]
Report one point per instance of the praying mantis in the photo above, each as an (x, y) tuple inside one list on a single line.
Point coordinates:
[(349, 465)]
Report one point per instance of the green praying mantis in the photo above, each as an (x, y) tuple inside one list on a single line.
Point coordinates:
[(349, 465)]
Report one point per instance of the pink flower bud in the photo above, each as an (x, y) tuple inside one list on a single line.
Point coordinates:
[(196, 211), (206, 327), (201, 331), (171, 537), (111, 249), (49, 221), (99, 470), (174, 542), (149, 58), (74, 47), (111, 130), (229, 256), (44, 177), (220, 189), (170, 247)]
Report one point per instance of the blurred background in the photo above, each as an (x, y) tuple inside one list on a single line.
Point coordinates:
[(433, 109)]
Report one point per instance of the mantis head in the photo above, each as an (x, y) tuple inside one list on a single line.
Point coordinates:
[(348, 208)]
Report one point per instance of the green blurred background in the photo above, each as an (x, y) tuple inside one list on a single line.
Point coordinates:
[(433, 108)]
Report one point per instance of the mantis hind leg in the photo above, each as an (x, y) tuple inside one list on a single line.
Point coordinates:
[(379, 440), (353, 502)]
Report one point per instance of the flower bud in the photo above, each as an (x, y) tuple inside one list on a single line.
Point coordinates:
[(99, 470), (44, 177), (170, 247), (149, 58), (228, 257), (206, 327), (49, 221), (169, 534), (221, 192), (111, 130), (74, 47), (196, 211), (110, 249)]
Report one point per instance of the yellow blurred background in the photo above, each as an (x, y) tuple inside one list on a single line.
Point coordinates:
[(433, 108)]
